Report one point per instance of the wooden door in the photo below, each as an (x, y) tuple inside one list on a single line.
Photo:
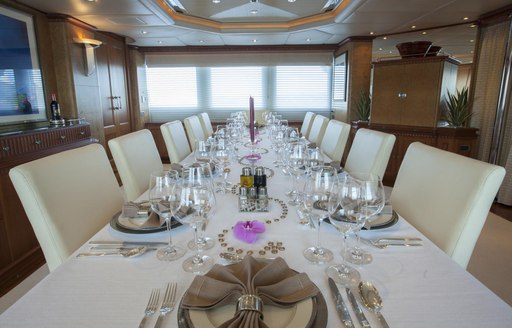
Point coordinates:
[(386, 103)]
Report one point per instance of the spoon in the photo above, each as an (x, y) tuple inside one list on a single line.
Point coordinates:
[(372, 300), (126, 253)]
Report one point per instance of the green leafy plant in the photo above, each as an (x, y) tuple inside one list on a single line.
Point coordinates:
[(363, 106), (457, 110)]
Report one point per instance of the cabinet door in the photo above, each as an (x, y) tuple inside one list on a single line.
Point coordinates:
[(386, 104), (422, 86), (118, 87)]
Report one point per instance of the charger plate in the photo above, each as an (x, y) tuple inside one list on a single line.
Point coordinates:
[(139, 225), (309, 313)]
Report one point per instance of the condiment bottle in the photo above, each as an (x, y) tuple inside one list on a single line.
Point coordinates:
[(246, 179)]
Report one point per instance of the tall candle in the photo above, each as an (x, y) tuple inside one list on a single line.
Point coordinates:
[(251, 118)]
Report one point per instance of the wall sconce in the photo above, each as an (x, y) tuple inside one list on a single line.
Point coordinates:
[(89, 46)]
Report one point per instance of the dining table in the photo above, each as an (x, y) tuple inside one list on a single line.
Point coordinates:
[(420, 286)]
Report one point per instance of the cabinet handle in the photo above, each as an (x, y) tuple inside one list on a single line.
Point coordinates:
[(37, 142), (82, 133), (63, 137), (402, 95), (6, 148)]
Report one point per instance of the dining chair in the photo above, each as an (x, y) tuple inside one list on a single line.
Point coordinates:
[(194, 130), (136, 156), (370, 152), (335, 139), (175, 141), (68, 197), (306, 124), (206, 124), (317, 131), (446, 197)]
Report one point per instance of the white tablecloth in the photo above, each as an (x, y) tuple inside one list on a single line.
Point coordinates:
[(420, 286)]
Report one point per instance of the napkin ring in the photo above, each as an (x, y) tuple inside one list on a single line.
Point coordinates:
[(249, 302)]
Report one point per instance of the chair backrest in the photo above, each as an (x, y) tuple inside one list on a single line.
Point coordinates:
[(68, 197), (370, 152), (335, 139), (446, 196), (175, 141), (317, 131), (206, 124), (136, 156), (306, 124), (194, 130)]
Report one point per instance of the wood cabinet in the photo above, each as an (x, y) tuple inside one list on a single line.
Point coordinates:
[(20, 254), (462, 141), (111, 59), (410, 91)]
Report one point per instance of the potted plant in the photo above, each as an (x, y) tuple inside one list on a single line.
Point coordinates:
[(363, 107), (457, 112)]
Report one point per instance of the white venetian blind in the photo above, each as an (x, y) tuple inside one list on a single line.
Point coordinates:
[(231, 87), (172, 87)]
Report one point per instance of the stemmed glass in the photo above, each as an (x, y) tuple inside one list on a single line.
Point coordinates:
[(316, 195), (361, 198), (221, 156), (201, 170), (196, 194), (296, 162), (342, 273), (164, 196)]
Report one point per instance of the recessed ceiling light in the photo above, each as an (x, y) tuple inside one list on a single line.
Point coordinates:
[(201, 41), (91, 0), (380, 49), (385, 38), (159, 42), (465, 18), (254, 40), (291, 0), (144, 32), (254, 11), (473, 25), (216, 1), (423, 32), (413, 26), (308, 40), (471, 40), (372, 33), (391, 52)]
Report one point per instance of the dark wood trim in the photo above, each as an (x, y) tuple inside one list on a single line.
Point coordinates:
[(356, 39), (496, 16), (19, 270), (413, 60), (71, 20)]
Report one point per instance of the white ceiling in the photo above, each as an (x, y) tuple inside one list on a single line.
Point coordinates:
[(280, 22)]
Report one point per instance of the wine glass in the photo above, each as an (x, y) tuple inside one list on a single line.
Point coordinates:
[(359, 207), (296, 161), (221, 156), (164, 196), (196, 195), (203, 171), (202, 150), (342, 273), (316, 195)]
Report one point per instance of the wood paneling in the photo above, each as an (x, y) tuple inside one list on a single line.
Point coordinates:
[(20, 254)]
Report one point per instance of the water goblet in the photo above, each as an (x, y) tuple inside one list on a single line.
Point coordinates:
[(164, 196), (316, 192), (221, 156)]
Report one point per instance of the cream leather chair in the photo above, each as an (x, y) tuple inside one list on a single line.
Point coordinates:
[(317, 131), (194, 130), (136, 156), (306, 124), (206, 124), (370, 152), (335, 139), (175, 141), (446, 196), (68, 197)]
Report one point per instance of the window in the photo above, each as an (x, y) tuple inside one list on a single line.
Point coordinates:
[(232, 86), (172, 87)]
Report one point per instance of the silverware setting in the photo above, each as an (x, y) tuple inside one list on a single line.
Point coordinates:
[(386, 242), (126, 243), (341, 307), (168, 303), (128, 252), (372, 300), (357, 309), (151, 307)]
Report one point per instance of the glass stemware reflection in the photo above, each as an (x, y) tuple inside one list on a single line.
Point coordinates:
[(341, 273), (201, 170), (164, 196), (316, 192), (221, 156), (297, 155), (196, 195)]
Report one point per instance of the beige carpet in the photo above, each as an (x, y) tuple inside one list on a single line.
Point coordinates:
[(491, 262)]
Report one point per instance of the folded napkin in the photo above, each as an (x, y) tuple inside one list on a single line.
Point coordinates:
[(132, 209), (274, 282)]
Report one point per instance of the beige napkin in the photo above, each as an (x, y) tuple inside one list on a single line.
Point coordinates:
[(274, 282)]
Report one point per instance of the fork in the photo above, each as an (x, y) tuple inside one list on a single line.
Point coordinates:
[(385, 242), (168, 303), (151, 307)]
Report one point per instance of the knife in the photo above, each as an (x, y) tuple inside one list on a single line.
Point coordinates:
[(126, 243), (357, 309), (340, 305)]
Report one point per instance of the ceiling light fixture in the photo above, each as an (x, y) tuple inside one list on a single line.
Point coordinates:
[(380, 49), (414, 26), (291, 0), (465, 18), (471, 40), (372, 33), (423, 32), (254, 11), (144, 32), (473, 25), (159, 42), (385, 38), (308, 40), (216, 1), (89, 46), (254, 40)]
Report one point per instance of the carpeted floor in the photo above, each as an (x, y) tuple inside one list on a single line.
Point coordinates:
[(491, 262)]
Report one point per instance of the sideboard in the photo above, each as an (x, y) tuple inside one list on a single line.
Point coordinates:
[(20, 254)]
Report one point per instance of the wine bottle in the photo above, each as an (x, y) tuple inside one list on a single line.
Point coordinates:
[(55, 108)]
